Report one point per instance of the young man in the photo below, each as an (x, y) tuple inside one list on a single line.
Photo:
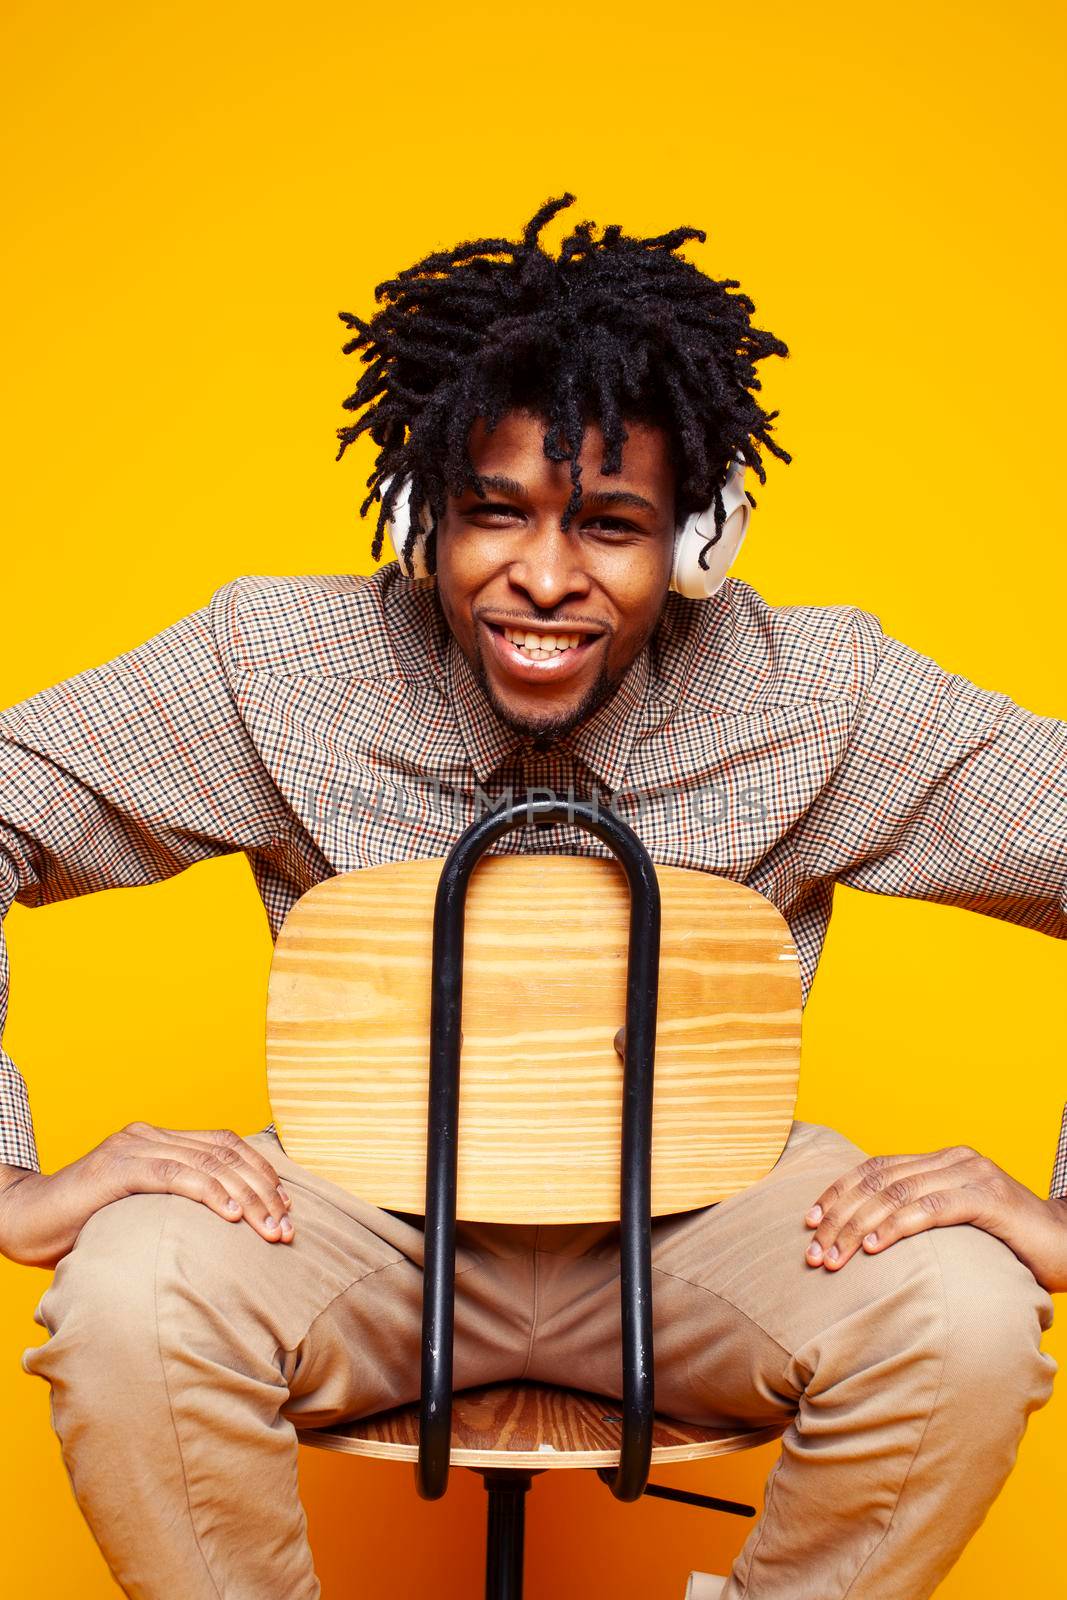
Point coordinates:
[(545, 423)]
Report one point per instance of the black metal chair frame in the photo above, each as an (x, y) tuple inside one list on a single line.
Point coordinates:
[(507, 1487)]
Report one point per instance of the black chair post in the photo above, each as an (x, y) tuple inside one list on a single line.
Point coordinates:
[(505, 1532), (642, 981)]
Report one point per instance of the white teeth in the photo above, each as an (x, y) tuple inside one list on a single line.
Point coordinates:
[(542, 644)]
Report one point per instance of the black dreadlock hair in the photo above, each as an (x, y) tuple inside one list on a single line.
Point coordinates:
[(610, 329)]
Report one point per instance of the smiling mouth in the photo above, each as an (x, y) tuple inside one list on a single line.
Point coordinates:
[(540, 655)]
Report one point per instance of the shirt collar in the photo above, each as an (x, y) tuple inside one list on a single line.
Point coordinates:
[(605, 742), (486, 738)]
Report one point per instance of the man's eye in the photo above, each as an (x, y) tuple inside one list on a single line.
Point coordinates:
[(493, 513), (612, 525)]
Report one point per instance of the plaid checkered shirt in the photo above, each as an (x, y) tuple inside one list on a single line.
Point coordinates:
[(323, 724)]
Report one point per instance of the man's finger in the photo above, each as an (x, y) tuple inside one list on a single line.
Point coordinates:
[(259, 1200), (168, 1174), (885, 1187), (941, 1208), (844, 1227), (217, 1136), (874, 1174)]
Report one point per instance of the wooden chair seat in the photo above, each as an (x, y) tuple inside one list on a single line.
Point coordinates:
[(529, 1425)]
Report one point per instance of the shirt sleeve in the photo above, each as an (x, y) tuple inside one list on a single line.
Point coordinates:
[(946, 792), (124, 774), (1057, 1189)]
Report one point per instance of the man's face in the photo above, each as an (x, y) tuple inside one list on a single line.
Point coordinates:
[(507, 572)]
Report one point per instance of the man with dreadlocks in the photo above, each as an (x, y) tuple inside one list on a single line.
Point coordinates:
[(545, 423)]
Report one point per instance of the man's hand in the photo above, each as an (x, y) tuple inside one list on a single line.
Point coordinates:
[(42, 1214), (890, 1197)]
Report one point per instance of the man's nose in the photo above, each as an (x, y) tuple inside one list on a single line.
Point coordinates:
[(549, 567)]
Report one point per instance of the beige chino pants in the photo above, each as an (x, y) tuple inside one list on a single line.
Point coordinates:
[(184, 1349)]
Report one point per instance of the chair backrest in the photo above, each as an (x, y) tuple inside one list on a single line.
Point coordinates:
[(544, 996)]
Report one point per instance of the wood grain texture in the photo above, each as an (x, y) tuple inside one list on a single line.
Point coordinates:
[(544, 995), (529, 1425)]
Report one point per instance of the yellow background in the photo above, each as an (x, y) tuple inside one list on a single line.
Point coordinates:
[(193, 192)]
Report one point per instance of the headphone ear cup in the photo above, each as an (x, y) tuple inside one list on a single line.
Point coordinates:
[(397, 528), (688, 577)]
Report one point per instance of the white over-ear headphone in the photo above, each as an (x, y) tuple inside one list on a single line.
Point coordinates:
[(696, 538)]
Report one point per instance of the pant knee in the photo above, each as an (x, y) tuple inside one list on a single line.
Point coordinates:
[(103, 1275), (99, 1311), (141, 1284), (995, 1372)]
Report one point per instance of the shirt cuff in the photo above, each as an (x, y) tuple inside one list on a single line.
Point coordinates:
[(1058, 1186)]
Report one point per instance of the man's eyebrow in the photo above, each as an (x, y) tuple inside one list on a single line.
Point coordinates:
[(505, 486), (617, 497), (598, 499)]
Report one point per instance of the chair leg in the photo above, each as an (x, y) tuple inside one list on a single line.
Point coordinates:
[(506, 1525)]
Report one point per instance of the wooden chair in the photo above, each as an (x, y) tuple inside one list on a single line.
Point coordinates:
[(386, 981)]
